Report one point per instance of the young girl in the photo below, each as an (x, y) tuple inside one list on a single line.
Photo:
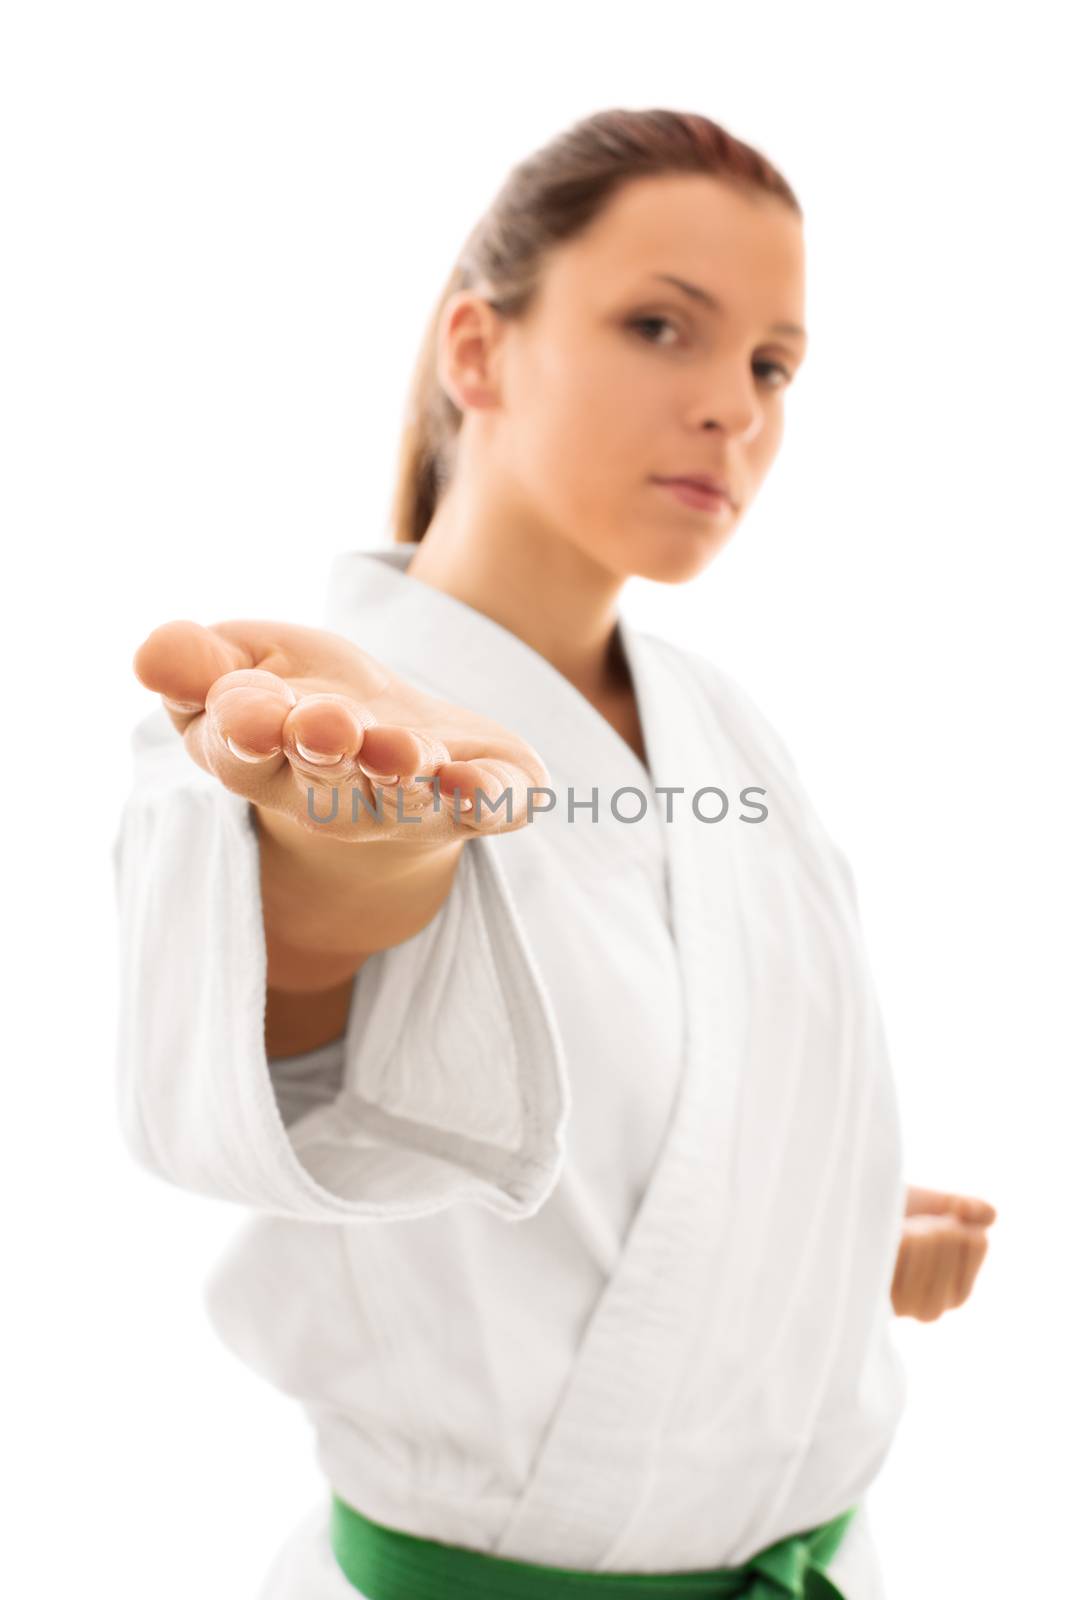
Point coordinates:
[(491, 952)]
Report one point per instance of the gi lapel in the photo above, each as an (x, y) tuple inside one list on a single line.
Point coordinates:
[(591, 1465)]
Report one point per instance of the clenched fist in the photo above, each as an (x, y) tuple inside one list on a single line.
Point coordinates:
[(943, 1243)]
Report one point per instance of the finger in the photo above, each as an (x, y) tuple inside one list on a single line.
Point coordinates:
[(900, 1290), (524, 766), (332, 741), (926, 1247), (973, 1256), (908, 1277), (406, 757), (239, 737), (180, 660), (959, 1278), (324, 733), (946, 1270), (493, 794)]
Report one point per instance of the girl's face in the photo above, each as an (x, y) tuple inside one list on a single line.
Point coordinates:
[(656, 347)]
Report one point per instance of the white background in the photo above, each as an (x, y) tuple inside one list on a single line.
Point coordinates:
[(225, 226)]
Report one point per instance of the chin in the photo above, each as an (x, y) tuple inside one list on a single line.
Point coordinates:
[(664, 557)]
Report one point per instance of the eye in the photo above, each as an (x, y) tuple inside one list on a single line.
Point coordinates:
[(654, 322), (646, 322), (776, 366)]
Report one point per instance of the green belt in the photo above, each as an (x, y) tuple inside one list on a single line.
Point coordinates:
[(387, 1564)]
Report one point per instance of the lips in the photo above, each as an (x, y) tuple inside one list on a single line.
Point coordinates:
[(701, 480)]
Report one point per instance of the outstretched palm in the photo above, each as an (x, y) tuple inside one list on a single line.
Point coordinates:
[(273, 709)]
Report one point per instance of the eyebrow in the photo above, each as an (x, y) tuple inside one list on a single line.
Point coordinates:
[(697, 293)]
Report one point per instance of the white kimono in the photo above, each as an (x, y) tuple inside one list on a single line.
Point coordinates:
[(577, 1247)]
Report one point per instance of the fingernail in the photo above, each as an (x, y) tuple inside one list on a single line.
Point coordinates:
[(181, 705), (316, 757), (379, 777), (249, 755)]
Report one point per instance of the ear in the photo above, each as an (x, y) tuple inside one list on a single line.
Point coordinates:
[(468, 335)]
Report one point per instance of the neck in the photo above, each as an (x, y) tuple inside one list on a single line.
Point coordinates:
[(540, 586)]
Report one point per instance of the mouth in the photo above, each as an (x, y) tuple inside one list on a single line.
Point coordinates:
[(701, 493)]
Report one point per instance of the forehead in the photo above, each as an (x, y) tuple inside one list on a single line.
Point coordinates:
[(743, 249)]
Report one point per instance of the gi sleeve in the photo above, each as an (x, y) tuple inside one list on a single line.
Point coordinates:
[(448, 1085)]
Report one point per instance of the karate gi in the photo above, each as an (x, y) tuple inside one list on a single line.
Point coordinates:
[(577, 1247)]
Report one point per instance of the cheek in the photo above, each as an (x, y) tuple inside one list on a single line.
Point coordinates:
[(593, 422), (565, 436)]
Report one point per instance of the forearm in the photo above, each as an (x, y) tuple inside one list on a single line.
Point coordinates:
[(329, 904), (295, 1023)]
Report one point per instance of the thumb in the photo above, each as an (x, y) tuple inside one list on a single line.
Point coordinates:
[(934, 1202), (180, 660), (970, 1209)]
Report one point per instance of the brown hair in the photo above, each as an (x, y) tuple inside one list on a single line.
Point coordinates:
[(549, 197)]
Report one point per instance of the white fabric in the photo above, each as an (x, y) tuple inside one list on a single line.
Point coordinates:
[(304, 1567), (609, 1156)]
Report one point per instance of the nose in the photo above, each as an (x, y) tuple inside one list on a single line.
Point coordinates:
[(729, 402)]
